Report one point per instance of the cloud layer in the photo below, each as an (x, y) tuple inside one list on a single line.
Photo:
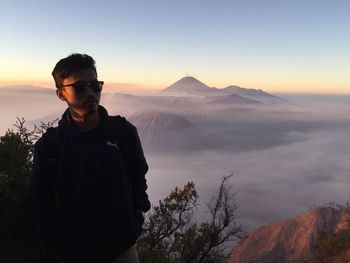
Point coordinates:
[(286, 158)]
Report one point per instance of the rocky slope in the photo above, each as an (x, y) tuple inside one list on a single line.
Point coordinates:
[(289, 241)]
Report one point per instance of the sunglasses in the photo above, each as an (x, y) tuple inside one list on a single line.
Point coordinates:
[(80, 86)]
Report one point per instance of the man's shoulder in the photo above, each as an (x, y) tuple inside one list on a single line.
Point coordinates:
[(124, 130), (118, 118), (48, 137), (121, 121)]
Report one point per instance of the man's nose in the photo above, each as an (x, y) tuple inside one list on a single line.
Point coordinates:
[(89, 91)]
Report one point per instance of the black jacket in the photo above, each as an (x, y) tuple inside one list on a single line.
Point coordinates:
[(86, 192)]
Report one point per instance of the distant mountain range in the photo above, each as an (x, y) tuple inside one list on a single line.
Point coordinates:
[(25, 89), (290, 241), (232, 99), (250, 93), (192, 86)]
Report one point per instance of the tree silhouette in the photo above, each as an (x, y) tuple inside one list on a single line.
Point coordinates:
[(172, 235), (19, 241)]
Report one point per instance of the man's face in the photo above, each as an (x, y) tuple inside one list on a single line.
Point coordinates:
[(83, 102)]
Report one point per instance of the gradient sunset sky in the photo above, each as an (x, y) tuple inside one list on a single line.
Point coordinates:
[(275, 45)]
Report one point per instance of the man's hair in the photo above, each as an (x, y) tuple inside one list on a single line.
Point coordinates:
[(71, 64)]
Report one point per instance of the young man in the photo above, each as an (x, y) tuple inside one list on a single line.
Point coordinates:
[(88, 186)]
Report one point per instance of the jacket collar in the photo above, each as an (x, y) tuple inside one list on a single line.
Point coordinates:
[(72, 129)]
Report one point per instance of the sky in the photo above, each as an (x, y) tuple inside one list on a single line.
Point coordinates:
[(289, 46)]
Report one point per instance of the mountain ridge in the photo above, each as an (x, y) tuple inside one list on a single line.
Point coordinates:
[(289, 241)]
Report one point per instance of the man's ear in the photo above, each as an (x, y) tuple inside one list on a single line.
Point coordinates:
[(60, 95)]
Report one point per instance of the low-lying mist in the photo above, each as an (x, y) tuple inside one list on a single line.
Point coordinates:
[(285, 157)]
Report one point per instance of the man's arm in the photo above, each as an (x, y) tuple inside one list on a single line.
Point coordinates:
[(41, 192), (138, 168)]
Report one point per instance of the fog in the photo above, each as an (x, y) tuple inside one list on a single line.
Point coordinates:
[(272, 184), (286, 158)]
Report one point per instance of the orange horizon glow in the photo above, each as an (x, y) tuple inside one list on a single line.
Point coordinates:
[(113, 86)]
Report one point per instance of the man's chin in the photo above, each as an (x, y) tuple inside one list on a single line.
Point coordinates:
[(91, 111), (89, 108)]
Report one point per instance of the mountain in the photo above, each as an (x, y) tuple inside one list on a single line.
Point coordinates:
[(188, 85), (256, 94), (233, 99), (290, 241), (244, 92), (160, 131)]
